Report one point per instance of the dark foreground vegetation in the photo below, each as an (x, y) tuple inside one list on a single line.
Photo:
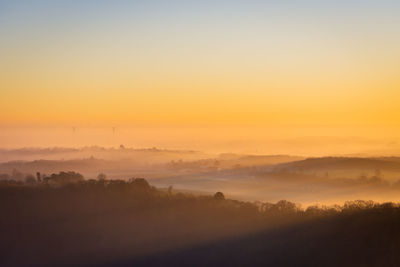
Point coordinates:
[(63, 219)]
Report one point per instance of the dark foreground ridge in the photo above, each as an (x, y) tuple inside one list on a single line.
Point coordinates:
[(66, 220)]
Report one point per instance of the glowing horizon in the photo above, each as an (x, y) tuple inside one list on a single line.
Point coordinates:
[(183, 64)]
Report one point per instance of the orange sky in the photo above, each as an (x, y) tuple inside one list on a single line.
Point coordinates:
[(258, 65)]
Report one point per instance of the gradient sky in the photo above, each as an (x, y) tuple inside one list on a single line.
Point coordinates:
[(200, 63)]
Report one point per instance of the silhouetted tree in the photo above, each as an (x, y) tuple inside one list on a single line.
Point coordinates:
[(170, 188), (101, 176), (65, 178), (30, 179), (16, 175), (4, 177), (219, 196)]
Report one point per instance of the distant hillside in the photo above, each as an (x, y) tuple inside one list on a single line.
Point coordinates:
[(342, 163), (49, 166), (146, 154), (268, 159)]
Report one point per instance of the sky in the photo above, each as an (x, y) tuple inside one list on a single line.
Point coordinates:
[(331, 65)]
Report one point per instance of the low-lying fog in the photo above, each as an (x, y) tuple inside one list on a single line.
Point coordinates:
[(267, 178)]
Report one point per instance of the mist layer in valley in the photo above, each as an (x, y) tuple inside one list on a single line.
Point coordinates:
[(247, 177)]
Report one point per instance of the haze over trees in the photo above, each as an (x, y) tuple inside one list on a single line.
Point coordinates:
[(65, 219), (268, 178)]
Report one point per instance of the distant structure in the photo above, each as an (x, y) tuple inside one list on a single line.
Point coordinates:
[(38, 177)]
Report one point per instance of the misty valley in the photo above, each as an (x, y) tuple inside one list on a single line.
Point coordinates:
[(98, 206), (307, 181)]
